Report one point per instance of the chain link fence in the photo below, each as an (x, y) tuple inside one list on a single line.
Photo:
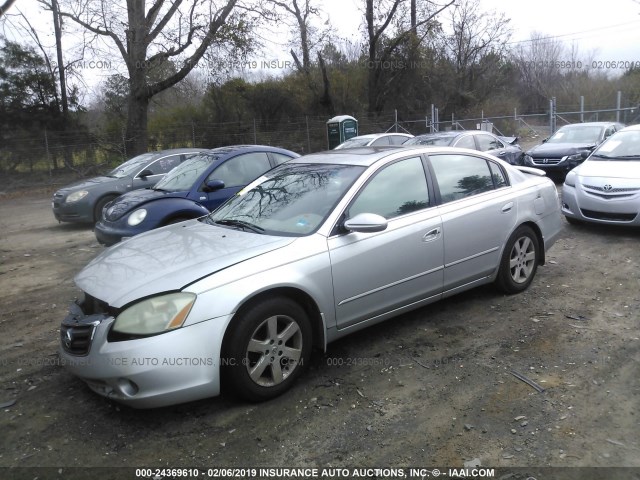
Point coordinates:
[(86, 154)]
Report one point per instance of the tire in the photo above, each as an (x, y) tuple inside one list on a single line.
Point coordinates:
[(97, 210), (267, 348), (519, 261)]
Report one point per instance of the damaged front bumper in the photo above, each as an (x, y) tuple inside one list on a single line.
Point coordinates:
[(174, 367)]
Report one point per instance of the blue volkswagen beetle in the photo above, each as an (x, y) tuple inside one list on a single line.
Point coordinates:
[(191, 190)]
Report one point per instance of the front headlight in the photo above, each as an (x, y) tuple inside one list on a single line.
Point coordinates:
[(573, 158), (75, 196), (137, 217), (155, 315), (570, 179), (528, 160)]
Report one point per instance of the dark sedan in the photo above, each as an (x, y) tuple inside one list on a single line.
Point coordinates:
[(505, 148), (569, 146), (191, 190), (82, 202)]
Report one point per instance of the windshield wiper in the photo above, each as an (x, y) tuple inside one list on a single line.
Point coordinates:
[(240, 223), (599, 155), (628, 156)]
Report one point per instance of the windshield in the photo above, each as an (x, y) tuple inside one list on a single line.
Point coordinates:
[(577, 134), (355, 142), (440, 140), (187, 173), (131, 166), (621, 146), (290, 200)]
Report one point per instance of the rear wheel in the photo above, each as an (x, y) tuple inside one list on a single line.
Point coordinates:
[(267, 348), (519, 261)]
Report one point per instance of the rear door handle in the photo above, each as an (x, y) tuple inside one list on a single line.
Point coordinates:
[(432, 235)]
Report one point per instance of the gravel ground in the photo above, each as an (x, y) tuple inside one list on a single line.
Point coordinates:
[(435, 387)]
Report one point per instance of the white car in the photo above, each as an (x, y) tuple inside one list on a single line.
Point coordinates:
[(318, 247), (606, 187), (375, 140)]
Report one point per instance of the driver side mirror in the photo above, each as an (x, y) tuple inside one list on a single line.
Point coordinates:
[(213, 185), (366, 223), (145, 173)]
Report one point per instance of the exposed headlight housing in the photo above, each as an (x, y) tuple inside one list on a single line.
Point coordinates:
[(137, 217), (75, 196), (570, 179), (155, 315)]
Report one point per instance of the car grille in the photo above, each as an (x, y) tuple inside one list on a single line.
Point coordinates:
[(615, 217), (610, 193), (76, 339), (612, 190), (546, 161), (78, 328)]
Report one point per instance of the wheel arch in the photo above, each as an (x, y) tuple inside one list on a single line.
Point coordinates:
[(302, 298), (168, 209), (110, 196), (536, 229)]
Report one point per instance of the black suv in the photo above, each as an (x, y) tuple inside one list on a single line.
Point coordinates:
[(569, 146)]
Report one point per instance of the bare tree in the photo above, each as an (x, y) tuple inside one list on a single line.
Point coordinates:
[(536, 61), (302, 14), (476, 48), (5, 6), (381, 46), (177, 32), (302, 11), (61, 69)]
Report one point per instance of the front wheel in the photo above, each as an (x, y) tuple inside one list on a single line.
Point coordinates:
[(519, 261), (100, 204), (266, 350)]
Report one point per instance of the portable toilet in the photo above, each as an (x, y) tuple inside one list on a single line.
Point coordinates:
[(341, 128)]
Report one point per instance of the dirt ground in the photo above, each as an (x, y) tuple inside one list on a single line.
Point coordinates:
[(430, 388)]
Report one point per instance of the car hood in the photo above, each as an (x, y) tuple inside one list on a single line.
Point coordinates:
[(89, 184), (609, 169), (135, 199), (168, 259), (555, 150)]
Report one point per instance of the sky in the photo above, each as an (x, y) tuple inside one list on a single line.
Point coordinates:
[(608, 34), (604, 31)]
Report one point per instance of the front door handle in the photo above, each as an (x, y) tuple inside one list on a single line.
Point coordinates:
[(507, 208), (432, 235)]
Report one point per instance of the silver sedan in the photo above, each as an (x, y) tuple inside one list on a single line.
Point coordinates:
[(605, 188), (317, 248)]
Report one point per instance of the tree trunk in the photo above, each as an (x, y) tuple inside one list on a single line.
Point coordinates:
[(326, 101), (136, 137)]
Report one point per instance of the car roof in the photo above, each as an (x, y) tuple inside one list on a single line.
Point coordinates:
[(378, 135), (447, 133), (590, 124), (366, 156), (452, 133), (236, 148), (177, 150)]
